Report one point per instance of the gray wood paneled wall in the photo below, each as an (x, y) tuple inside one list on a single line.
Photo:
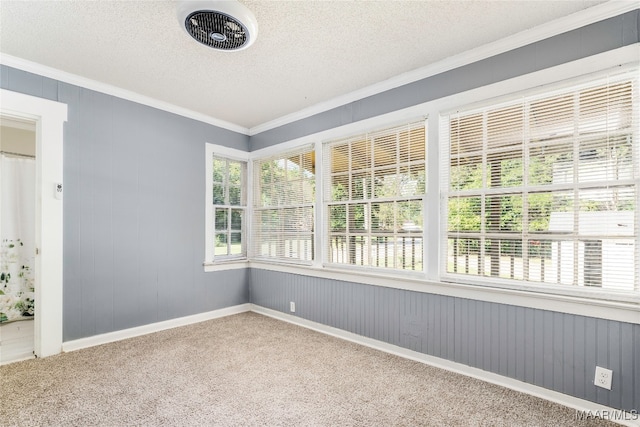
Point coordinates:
[(133, 211), (549, 349)]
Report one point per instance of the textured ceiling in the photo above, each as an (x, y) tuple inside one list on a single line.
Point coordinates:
[(307, 52)]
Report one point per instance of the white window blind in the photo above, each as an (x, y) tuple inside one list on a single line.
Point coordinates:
[(545, 189), (373, 195), (284, 199), (229, 205)]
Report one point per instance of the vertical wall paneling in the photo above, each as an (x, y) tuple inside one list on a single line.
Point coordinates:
[(511, 341), (72, 287), (568, 361), (553, 350), (131, 310), (96, 159), (580, 356), (591, 349), (133, 211), (626, 385), (613, 336)]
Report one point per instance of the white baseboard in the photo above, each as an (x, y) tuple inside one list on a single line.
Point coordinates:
[(153, 327), (513, 384)]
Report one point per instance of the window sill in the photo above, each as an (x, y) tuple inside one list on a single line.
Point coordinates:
[(231, 264), (620, 310)]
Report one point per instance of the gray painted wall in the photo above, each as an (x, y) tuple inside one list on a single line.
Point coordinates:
[(580, 43), (133, 211), (552, 350)]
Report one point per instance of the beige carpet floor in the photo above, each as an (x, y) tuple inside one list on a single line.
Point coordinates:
[(250, 370)]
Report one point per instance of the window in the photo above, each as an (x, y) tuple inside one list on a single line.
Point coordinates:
[(228, 201), (283, 214), (373, 195), (545, 189)]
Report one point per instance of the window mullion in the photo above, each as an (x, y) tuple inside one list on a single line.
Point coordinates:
[(525, 195), (576, 191)]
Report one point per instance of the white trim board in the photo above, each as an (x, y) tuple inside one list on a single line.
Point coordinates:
[(152, 327), (550, 29), (543, 393), (74, 79), (510, 383), (562, 25)]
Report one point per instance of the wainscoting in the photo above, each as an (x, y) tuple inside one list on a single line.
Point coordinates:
[(556, 351)]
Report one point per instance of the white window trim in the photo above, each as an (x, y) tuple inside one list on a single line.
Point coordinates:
[(571, 87), (269, 153), (324, 204), (226, 263), (573, 301)]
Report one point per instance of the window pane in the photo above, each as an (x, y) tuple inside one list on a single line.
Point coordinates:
[(551, 164), (338, 218), (383, 217), (551, 212), (411, 181), (361, 186), (339, 187), (466, 134), (235, 173), (464, 256), (385, 150), (503, 258), (339, 158), (505, 128), (606, 159), (222, 216), (505, 169), (410, 216), (465, 214), (219, 170), (503, 213), (412, 145), (218, 194), (466, 174), (229, 178), (551, 119), (358, 220), (236, 243), (361, 155), (221, 244), (285, 185), (235, 195), (385, 183), (236, 219)]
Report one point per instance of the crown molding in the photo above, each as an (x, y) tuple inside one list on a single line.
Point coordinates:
[(66, 77), (562, 25)]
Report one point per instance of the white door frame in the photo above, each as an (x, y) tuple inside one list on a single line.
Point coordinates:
[(49, 117)]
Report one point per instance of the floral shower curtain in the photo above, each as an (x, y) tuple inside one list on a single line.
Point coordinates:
[(17, 237)]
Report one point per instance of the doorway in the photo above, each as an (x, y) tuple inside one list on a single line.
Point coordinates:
[(48, 117), (17, 239)]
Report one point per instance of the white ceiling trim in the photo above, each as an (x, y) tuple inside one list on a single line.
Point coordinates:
[(550, 29), (571, 22), (63, 76)]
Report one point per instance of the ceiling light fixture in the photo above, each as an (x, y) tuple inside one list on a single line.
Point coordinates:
[(220, 24)]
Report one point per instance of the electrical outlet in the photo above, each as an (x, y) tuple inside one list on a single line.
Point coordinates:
[(292, 307), (603, 377)]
